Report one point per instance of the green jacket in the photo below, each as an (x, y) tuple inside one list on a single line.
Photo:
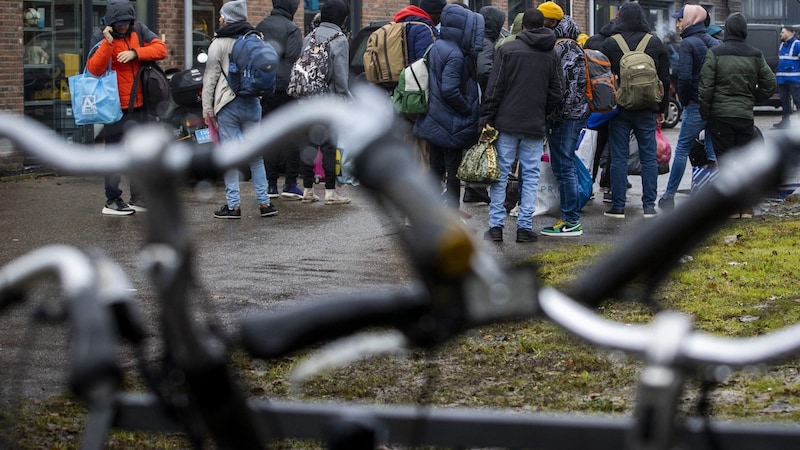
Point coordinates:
[(735, 75)]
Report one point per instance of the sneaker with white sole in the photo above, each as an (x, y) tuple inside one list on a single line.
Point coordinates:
[(137, 206), (333, 198), (514, 211), (226, 213), (267, 210), (291, 192), (563, 229), (309, 196), (117, 208)]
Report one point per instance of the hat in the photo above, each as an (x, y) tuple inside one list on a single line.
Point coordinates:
[(679, 14), (235, 11), (432, 6), (551, 11)]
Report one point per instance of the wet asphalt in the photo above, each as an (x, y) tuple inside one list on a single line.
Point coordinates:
[(307, 252)]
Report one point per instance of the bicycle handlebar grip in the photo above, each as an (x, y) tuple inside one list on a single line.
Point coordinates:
[(440, 246), (277, 334)]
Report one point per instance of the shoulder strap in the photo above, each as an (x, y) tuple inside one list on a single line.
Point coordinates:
[(621, 42), (643, 43)]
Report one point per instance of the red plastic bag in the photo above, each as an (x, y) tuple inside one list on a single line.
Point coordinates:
[(663, 148)]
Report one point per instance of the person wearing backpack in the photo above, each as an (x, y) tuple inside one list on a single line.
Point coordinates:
[(694, 45), (285, 36), (641, 104), (120, 46), (333, 14), (451, 123), (735, 76), (230, 113), (565, 122)]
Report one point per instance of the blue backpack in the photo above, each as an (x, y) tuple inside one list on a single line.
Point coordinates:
[(253, 66)]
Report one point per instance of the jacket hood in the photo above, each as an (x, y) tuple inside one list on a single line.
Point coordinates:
[(493, 20), (567, 28), (413, 12), (334, 11), (735, 27), (286, 6), (693, 14), (608, 29), (697, 28), (119, 11), (463, 27), (632, 18), (542, 39)]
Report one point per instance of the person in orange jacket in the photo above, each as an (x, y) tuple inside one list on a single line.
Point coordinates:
[(120, 47)]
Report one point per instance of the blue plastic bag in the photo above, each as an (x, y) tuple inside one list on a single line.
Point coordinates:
[(95, 99), (585, 183)]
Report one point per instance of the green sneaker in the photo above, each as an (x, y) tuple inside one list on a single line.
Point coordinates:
[(565, 229)]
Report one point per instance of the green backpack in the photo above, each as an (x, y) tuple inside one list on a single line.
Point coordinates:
[(639, 86), (410, 97)]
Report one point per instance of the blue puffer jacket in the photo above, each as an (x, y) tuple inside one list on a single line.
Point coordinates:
[(788, 71), (694, 46), (419, 36), (452, 117)]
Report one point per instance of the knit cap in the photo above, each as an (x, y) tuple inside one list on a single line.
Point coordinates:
[(235, 11), (551, 11), (432, 6)]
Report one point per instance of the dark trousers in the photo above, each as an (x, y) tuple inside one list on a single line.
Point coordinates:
[(112, 134), (328, 149), (728, 133), (289, 156), (444, 163)]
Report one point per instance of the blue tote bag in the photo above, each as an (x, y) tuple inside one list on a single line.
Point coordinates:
[(95, 99)]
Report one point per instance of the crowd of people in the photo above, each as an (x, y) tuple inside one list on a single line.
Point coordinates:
[(530, 86)]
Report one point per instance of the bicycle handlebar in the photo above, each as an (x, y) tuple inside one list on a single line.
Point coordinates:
[(94, 369)]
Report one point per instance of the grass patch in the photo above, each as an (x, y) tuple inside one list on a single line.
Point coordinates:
[(739, 282)]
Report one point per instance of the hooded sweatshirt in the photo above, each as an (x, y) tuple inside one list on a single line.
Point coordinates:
[(574, 104), (525, 84), (493, 19), (632, 25), (153, 49), (735, 75), (419, 36), (279, 30), (694, 45)]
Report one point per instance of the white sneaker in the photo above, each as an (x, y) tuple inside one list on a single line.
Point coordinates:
[(514, 211), (333, 198), (309, 196)]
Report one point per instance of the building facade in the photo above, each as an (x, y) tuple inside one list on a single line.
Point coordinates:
[(44, 41)]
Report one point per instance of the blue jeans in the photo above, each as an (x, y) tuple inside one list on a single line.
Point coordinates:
[(233, 119), (789, 92), (528, 149), (691, 125), (643, 125), (562, 139)]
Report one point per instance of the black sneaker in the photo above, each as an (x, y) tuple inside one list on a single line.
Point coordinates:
[(272, 192), (650, 212), (268, 210), (667, 203), (476, 195), (525, 235), (607, 197), (225, 213), (617, 213), (494, 234)]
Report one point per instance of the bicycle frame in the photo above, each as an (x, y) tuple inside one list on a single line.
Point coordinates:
[(462, 286)]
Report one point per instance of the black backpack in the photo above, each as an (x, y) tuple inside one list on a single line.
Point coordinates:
[(153, 81)]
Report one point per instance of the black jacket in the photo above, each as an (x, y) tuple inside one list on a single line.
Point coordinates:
[(285, 37), (632, 25), (524, 85)]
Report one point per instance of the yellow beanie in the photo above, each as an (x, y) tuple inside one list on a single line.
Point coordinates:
[(551, 11)]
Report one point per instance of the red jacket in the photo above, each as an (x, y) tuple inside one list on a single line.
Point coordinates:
[(98, 63)]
